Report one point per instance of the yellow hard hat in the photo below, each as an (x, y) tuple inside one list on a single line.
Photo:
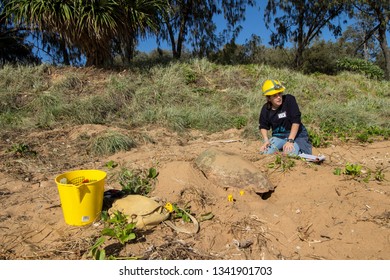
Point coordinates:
[(271, 87)]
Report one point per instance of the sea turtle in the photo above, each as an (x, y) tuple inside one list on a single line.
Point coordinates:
[(227, 169)]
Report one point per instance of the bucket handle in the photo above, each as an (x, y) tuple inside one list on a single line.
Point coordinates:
[(78, 186)]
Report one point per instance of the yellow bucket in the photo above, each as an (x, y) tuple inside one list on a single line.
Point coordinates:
[(81, 194)]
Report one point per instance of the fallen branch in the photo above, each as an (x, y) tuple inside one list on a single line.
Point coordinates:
[(224, 141)]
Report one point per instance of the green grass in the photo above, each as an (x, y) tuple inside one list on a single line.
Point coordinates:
[(195, 94), (351, 118), (110, 143)]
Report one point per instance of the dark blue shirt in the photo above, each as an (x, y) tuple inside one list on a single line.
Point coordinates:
[(281, 119)]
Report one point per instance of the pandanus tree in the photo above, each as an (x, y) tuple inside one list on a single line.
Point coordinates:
[(91, 26)]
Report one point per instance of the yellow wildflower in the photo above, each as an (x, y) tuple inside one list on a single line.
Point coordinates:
[(169, 207), (230, 197)]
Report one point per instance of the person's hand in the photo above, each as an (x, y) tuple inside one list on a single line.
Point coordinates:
[(265, 146), (288, 147)]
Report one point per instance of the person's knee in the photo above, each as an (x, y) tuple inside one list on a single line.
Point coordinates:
[(295, 151), (269, 151)]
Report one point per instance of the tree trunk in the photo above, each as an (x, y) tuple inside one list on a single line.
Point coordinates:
[(97, 58), (128, 50), (183, 24), (387, 61), (383, 18), (172, 39), (300, 48), (64, 52), (98, 54), (180, 39), (385, 49)]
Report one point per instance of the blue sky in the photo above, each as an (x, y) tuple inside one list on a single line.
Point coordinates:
[(254, 24)]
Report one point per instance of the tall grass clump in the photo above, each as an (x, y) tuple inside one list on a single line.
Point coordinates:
[(18, 88), (71, 82), (23, 79), (110, 143), (47, 105), (208, 118), (10, 114), (96, 109)]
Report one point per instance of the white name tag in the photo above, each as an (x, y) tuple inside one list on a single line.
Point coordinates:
[(282, 115)]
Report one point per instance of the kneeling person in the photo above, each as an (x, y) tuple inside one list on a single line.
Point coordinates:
[(281, 114)]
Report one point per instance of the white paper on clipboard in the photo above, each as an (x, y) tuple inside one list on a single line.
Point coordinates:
[(313, 158)]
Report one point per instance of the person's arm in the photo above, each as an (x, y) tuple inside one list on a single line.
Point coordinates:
[(264, 134), (264, 127), (294, 131), (289, 146), (266, 143), (294, 115)]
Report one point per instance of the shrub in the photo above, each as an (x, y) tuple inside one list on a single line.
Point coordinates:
[(361, 66), (321, 58)]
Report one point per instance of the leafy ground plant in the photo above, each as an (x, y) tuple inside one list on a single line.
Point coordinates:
[(111, 164), (356, 172), (349, 169), (337, 171), (179, 213), (282, 161), (137, 181), (21, 149), (379, 175), (318, 139), (183, 213), (353, 169), (116, 227)]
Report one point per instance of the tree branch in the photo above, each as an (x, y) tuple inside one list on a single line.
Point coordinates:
[(367, 37)]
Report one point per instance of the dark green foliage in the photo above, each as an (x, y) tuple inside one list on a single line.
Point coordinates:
[(119, 228), (240, 122), (321, 58), (361, 66), (116, 227), (367, 134), (13, 48)]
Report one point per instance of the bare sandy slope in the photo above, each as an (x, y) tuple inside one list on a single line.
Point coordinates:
[(312, 214)]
